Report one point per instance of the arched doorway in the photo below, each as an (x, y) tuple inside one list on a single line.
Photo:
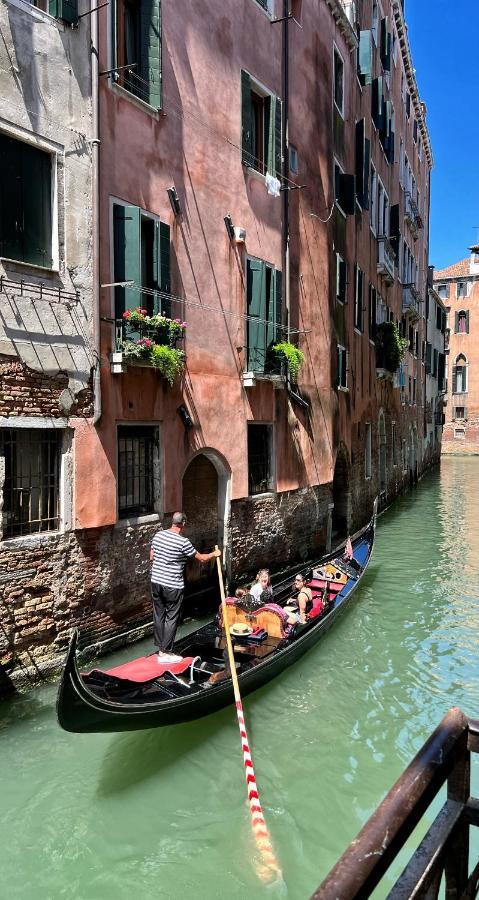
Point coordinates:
[(382, 453), (206, 500), (341, 496)]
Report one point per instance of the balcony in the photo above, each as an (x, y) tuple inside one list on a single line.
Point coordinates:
[(148, 342), (411, 214), (410, 301), (386, 259), (263, 365)]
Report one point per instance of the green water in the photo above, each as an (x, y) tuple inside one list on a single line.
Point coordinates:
[(163, 814)]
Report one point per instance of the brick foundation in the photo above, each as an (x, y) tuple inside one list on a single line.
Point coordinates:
[(24, 392)]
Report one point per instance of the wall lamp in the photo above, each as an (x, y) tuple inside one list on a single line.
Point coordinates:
[(118, 284), (235, 232), (185, 417), (174, 200), (229, 227)]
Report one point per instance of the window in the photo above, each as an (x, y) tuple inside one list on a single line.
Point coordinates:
[(345, 190), (25, 203), (141, 254), (462, 289), (459, 375), (263, 303), (137, 48), (260, 127), (260, 453), (383, 211), (368, 451), (338, 86), (341, 279), (460, 433), (443, 291), (293, 160), (372, 312), (358, 298), (459, 412), (462, 321), (137, 460), (362, 157), (59, 9), (408, 104), (365, 57), (31, 486), (374, 199), (342, 368), (394, 444)]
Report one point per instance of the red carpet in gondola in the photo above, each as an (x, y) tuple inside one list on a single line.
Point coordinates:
[(147, 667)]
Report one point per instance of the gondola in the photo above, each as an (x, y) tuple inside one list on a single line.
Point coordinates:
[(144, 694)]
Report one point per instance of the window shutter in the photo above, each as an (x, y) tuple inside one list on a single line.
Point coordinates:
[(385, 45), (367, 161), (428, 358), (408, 104), (162, 252), (456, 323), (359, 167), (365, 57), (347, 193), (394, 232), (37, 206), (11, 203), (377, 103), (372, 312), (467, 321), (454, 379), (256, 308), (127, 259), (246, 120), (278, 152), (67, 10), (150, 52), (414, 130), (342, 281), (444, 322), (278, 304)]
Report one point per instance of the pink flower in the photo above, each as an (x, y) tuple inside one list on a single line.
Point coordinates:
[(127, 314), (145, 342), (177, 320), (183, 324), (142, 312)]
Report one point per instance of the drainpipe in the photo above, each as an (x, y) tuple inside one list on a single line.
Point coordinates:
[(95, 152), (285, 167)]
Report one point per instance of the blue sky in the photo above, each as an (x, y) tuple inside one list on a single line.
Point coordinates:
[(444, 40)]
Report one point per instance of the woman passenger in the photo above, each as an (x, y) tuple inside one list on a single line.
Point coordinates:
[(304, 599), (262, 588)]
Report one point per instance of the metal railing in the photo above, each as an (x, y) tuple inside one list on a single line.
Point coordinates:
[(410, 300), (444, 760), (386, 257)]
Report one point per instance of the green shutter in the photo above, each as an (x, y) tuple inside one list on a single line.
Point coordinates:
[(456, 322), (256, 310), (365, 57), (359, 167), (467, 321), (278, 141), (11, 200), (37, 206), (454, 379), (127, 257), (114, 34), (367, 164), (385, 45), (246, 120), (67, 10), (164, 279), (150, 51), (278, 304)]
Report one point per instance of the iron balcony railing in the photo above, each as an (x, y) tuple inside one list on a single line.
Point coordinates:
[(446, 850), (386, 258), (411, 213), (410, 300)]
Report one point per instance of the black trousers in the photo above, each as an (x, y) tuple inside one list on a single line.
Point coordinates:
[(166, 612)]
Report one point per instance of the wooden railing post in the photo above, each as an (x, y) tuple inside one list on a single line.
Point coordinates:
[(459, 789)]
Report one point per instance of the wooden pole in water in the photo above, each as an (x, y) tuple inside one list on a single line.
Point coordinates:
[(270, 868)]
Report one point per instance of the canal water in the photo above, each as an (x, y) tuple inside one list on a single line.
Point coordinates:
[(163, 813)]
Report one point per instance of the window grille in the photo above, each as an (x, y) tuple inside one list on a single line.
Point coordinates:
[(136, 451), (31, 486), (259, 458)]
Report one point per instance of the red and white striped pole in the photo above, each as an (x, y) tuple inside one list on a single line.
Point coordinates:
[(269, 869)]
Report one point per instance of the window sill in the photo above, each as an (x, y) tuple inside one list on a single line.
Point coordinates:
[(154, 111), (264, 496), (147, 519), (48, 270), (32, 539), (344, 390)]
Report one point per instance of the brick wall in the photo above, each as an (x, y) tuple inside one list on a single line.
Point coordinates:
[(24, 392)]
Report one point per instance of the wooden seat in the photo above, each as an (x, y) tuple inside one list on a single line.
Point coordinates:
[(270, 617)]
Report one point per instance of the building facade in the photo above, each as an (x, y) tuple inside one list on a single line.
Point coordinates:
[(458, 287), (262, 180), (435, 368)]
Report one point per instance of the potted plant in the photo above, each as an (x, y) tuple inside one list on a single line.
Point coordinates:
[(294, 358), (169, 361), (390, 346)]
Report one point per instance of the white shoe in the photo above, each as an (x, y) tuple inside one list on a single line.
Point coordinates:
[(169, 658)]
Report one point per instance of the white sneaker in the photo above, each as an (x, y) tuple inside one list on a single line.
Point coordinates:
[(169, 658)]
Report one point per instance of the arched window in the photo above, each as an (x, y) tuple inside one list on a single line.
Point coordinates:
[(462, 322), (459, 375)]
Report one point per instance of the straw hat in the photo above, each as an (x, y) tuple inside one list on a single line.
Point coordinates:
[(239, 629)]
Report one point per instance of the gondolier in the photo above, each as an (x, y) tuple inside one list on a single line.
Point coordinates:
[(169, 554)]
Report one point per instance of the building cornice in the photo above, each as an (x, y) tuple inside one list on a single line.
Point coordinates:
[(339, 15), (401, 28), (449, 279)]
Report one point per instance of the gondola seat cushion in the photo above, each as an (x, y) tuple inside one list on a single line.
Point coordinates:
[(146, 668), (271, 617)]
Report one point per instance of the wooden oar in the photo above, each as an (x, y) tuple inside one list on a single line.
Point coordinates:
[(270, 869)]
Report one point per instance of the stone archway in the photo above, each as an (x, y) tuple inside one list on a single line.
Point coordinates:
[(341, 496), (206, 503)]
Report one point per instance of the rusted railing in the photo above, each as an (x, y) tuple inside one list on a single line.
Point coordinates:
[(444, 851)]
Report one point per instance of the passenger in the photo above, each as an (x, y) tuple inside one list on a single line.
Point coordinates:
[(262, 589), (303, 599), (240, 593)]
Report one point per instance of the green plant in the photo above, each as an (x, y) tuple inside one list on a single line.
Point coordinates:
[(169, 361), (137, 349), (390, 345), (293, 357)]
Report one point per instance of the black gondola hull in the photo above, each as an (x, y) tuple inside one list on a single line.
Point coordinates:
[(79, 709)]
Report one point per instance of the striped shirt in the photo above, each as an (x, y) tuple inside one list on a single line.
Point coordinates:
[(171, 552)]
